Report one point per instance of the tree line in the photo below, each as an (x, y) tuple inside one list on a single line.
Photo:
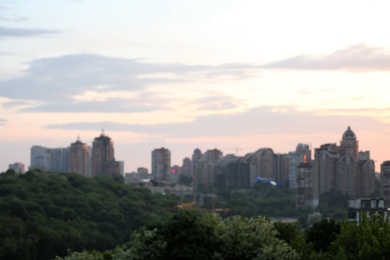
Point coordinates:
[(67, 216), (43, 215)]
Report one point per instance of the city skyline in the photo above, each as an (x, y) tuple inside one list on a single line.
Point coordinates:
[(234, 75)]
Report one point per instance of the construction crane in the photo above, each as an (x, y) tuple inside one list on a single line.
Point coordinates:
[(236, 149)]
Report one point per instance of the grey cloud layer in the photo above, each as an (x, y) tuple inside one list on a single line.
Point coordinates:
[(2, 121), (55, 81), (261, 120), (6, 32), (358, 57), (106, 106)]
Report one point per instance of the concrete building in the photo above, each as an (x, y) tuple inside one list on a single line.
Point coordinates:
[(103, 160), (305, 192), (297, 157), (238, 174), (368, 206), (79, 157), (263, 164), (213, 155), (49, 159), (325, 166), (186, 167), (385, 182), (342, 168), (137, 177), (18, 167), (161, 164), (282, 169), (204, 173), (365, 176), (40, 158)]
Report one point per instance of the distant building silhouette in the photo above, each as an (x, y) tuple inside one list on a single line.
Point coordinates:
[(385, 182), (342, 168), (79, 158), (306, 196), (103, 160), (17, 167), (296, 158), (49, 159), (161, 164)]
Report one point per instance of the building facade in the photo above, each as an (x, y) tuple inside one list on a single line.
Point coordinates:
[(103, 160), (297, 157), (79, 157), (49, 159), (18, 167), (343, 168), (161, 164), (385, 182), (306, 196)]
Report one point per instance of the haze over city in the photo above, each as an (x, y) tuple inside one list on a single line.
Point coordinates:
[(233, 75)]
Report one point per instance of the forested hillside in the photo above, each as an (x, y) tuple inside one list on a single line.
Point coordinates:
[(45, 214)]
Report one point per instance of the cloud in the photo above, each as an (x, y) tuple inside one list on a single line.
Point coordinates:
[(106, 106), (217, 102), (6, 32), (55, 82), (2, 121), (260, 120), (354, 58)]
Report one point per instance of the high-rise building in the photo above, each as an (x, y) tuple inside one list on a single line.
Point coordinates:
[(161, 164), (186, 167), (103, 160), (213, 155), (263, 164), (305, 192), (349, 145), (365, 176), (49, 159), (238, 174), (282, 169), (325, 166), (40, 158), (342, 168), (17, 167), (385, 182), (296, 158), (79, 158)]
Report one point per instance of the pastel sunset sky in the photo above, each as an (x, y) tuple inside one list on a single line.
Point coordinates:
[(227, 74)]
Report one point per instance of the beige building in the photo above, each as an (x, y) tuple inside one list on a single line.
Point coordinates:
[(18, 167), (103, 160), (342, 168), (79, 158)]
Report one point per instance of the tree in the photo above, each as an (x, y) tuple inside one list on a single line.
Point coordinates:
[(368, 239), (253, 238), (322, 234), (292, 234), (188, 235)]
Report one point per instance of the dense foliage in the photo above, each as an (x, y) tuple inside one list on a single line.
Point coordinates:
[(265, 200), (187, 235), (45, 214)]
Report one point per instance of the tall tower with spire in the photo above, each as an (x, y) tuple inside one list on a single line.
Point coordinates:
[(103, 161), (349, 144)]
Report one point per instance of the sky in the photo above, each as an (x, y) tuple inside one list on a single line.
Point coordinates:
[(237, 75)]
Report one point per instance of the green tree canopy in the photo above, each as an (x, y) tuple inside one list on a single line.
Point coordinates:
[(45, 214)]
